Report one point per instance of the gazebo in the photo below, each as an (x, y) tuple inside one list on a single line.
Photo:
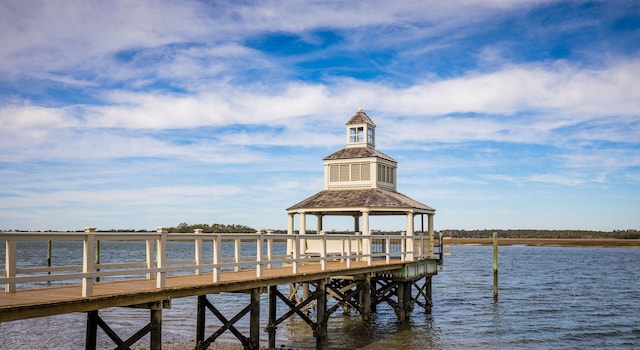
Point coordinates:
[(360, 181)]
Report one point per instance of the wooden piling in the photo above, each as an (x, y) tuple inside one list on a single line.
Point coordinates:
[(271, 327), (49, 259), (321, 315), (155, 325), (254, 320), (495, 267), (49, 255), (200, 319)]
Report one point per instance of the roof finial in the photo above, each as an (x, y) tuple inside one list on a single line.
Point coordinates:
[(360, 109)]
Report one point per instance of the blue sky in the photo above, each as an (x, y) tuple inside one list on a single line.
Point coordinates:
[(138, 114)]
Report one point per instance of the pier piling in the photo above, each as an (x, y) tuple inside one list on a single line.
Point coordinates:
[(495, 267)]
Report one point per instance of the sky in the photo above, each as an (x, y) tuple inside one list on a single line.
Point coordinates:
[(140, 114)]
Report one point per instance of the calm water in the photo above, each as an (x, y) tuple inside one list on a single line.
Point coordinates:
[(550, 298)]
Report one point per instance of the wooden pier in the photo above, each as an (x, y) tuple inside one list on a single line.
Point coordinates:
[(388, 273)]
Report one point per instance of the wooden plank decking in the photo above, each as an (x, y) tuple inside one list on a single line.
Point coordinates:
[(49, 301)]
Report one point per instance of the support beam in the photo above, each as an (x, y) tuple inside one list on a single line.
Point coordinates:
[(424, 293)]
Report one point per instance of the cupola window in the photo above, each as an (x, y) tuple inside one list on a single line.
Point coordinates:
[(356, 134)]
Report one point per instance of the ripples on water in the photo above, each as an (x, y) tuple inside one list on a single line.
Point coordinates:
[(549, 298)]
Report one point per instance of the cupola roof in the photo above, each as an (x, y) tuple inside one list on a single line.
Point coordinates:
[(360, 118)]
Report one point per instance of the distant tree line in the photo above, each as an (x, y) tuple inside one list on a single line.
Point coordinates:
[(620, 234), (181, 228), (217, 228)]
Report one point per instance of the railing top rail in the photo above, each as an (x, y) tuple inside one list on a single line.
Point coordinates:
[(125, 236)]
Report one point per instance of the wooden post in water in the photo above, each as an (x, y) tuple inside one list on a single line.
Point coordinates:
[(49, 258), (495, 267)]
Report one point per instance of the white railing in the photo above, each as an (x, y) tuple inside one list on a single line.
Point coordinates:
[(242, 251)]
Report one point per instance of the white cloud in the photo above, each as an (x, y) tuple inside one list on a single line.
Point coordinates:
[(551, 99)]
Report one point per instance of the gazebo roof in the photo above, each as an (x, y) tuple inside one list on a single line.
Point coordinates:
[(346, 202), (358, 152)]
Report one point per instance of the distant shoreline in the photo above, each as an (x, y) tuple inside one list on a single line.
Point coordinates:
[(550, 242)]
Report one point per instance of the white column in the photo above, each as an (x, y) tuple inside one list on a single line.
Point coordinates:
[(290, 232), (431, 239), (409, 238), (300, 245), (366, 241), (319, 225), (303, 223), (356, 223)]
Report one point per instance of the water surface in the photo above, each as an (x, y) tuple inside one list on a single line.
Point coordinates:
[(549, 298)]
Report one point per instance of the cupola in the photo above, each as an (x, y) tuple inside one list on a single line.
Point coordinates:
[(361, 131), (359, 165)]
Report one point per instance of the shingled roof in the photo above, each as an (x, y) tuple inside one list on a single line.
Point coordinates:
[(373, 198), (359, 118), (358, 152)]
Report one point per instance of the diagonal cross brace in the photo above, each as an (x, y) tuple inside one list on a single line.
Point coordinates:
[(227, 324)]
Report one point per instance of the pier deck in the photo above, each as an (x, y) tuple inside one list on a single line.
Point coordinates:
[(49, 301)]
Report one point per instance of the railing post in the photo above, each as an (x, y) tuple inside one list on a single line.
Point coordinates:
[(151, 253), (198, 250), (296, 253), (88, 262), (403, 244), (269, 249), (161, 256), (323, 254), (217, 243), (387, 248), (259, 253), (10, 264), (349, 250), (236, 254)]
